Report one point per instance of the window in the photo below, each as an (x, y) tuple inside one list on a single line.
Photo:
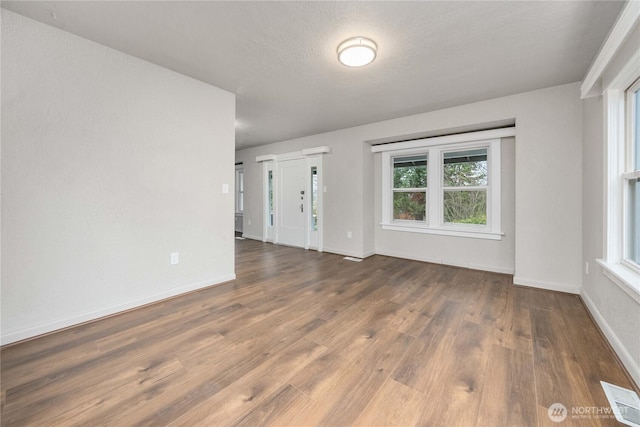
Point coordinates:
[(465, 187), (270, 197), (314, 198), (631, 180), (410, 188), (239, 189), (442, 188), (621, 259), (615, 74)]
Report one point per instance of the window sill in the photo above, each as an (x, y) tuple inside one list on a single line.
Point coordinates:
[(474, 234), (626, 279)]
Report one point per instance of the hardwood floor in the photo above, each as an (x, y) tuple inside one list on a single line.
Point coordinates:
[(302, 338)]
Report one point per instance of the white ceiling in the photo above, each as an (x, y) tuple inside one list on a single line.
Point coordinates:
[(279, 58)]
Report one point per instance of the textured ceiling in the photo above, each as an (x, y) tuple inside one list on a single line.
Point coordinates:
[(279, 58)]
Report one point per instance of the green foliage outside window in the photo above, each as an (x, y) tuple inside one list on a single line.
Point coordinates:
[(465, 207), (460, 170), (410, 172)]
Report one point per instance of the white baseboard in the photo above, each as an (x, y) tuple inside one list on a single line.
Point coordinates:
[(33, 331), (343, 252), (411, 257), (249, 236), (452, 263), (551, 286), (368, 254), (491, 268), (622, 352)]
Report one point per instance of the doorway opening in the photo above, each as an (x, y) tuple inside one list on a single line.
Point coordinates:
[(292, 200)]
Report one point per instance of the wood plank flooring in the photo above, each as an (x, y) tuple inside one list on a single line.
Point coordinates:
[(305, 339)]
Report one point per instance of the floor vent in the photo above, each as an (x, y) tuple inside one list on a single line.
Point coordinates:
[(625, 404), (350, 258)]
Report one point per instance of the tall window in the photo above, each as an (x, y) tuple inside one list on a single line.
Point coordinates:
[(631, 179), (465, 187), (447, 188), (239, 189), (615, 73), (410, 188), (270, 197), (314, 198), (621, 260)]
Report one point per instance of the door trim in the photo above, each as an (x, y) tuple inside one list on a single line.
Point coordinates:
[(313, 158)]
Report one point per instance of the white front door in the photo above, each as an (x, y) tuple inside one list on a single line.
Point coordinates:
[(291, 199)]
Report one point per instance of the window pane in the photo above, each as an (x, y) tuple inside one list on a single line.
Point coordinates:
[(637, 133), (271, 198), (465, 168), (241, 191), (634, 221), (410, 172), (410, 206), (465, 207), (314, 198)]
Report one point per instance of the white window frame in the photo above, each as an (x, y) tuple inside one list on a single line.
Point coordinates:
[(268, 216), (435, 148), (388, 158), (597, 82), (630, 172), (618, 156), (239, 189)]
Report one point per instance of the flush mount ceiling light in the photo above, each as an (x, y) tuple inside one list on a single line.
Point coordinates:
[(357, 51)]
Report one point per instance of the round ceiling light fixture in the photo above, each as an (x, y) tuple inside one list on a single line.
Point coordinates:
[(357, 52)]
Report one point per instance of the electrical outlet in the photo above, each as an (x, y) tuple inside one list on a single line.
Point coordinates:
[(175, 258), (349, 235), (249, 222)]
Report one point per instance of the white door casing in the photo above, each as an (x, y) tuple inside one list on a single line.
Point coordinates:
[(288, 198)]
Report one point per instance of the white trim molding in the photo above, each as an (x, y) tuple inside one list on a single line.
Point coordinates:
[(550, 286), (45, 328), (344, 252), (252, 237), (433, 222), (616, 145), (622, 352), (447, 139), (266, 158), (623, 277), (306, 152), (627, 20), (316, 150), (449, 262), (443, 231)]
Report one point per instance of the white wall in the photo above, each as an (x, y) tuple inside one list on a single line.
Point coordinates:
[(617, 313), (547, 190), (548, 183), (109, 164), (480, 254), (343, 178)]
